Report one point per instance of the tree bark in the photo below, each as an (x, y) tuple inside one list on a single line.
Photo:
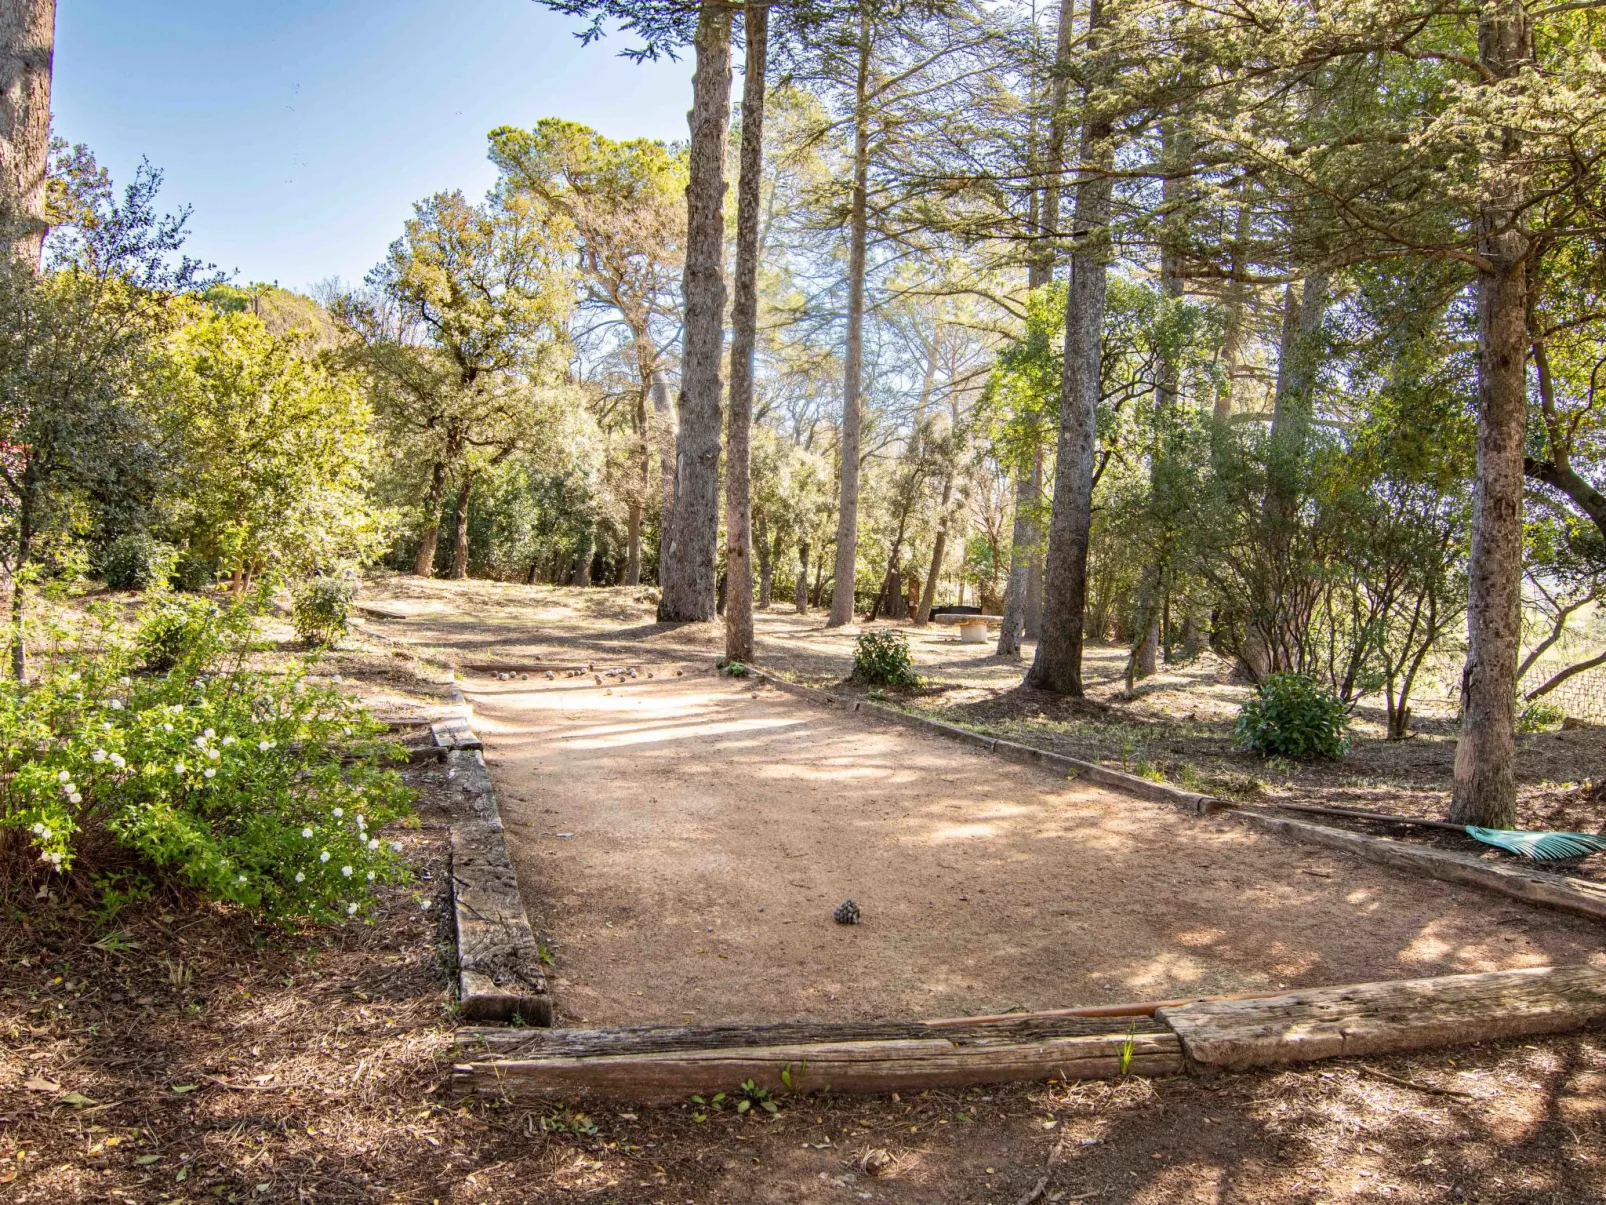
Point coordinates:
[(847, 527), (744, 338), (687, 572), (1032, 620), (424, 562), (1484, 790), (663, 414), (633, 516), (800, 591), (588, 552), (1009, 631), (27, 49), (765, 553), (939, 549), (460, 544), (1057, 667)]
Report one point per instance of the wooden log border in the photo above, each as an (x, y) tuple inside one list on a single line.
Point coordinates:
[(499, 967), (1533, 886), (669, 1062)]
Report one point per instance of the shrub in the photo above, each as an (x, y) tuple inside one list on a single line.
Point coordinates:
[(321, 610), (882, 659), (1289, 715), (193, 573), (175, 630), (1539, 716), (265, 791), (138, 562)]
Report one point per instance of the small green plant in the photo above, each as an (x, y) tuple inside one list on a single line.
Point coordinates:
[(750, 1094), (733, 669), (882, 659), (1127, 1048), (322, 610), (1539, 717), (705, 1106), (1290, 715), (177, 629), (1149, 770), (138, 562)]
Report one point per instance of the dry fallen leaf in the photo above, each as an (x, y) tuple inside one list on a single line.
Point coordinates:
[(41, 1085)]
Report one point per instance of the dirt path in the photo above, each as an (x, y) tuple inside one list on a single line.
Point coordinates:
[(684, 842)]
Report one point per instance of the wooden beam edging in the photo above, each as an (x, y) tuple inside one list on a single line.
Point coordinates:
[(1071, 767), (1534, 886), (1388, 1018), (500, 974), (669, 1062)]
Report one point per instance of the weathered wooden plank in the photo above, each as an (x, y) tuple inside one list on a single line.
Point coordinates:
[(875, 1066), (1384, 1018), (454, 733), (499, 964), (1452, 866), (661, 1039)]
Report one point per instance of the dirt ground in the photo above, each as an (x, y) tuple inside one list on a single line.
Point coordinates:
[(177, 1053)]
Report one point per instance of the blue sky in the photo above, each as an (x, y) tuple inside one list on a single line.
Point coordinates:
[(302, 132)]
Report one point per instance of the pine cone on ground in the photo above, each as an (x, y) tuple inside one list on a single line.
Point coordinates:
[(847, 913)]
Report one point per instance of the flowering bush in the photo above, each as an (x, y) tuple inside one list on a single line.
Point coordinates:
[(321, 610), (178, 629), (263, 790)]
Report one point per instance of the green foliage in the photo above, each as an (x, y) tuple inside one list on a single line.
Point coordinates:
[(262, 790), (193, 573), (882, 658), (1539, 716), (321, 610), (138, 562), (175, 630), (1291, 715)]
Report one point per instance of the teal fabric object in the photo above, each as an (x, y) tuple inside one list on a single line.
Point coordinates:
[(1541, 847)]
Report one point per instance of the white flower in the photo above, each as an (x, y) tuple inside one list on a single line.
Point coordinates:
[(347, 730), (214, 755), (307, 832), (324, 856), (337, 813), (178, 768), (64, 777), (370, 876), (373, 843), (99, 755), (200, 742), (241, 879), (76, 797), (210, 772), (74, 676), (118, 760), (361, 823), (351, 909), (425, 905), (300, 878), (116, 704), (346, 870), (209, 734), (395, 847), (106, 724), (68, 788), (228, 740), (167, 727), (125, 681)]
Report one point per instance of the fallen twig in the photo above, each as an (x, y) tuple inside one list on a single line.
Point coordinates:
[(223, 1083), (1414, 1085)]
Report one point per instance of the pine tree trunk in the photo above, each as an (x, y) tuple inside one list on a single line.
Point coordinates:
[(687, 570), (1057, 667), (663, 414), (27, 48), (847, 527), (636, 516), (588, 552), (460, 544), (1032, 621), (633, 516), (1009, 631), (800, 591), (744, 338), (1484, 791), (424, 562), (939, 549)]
